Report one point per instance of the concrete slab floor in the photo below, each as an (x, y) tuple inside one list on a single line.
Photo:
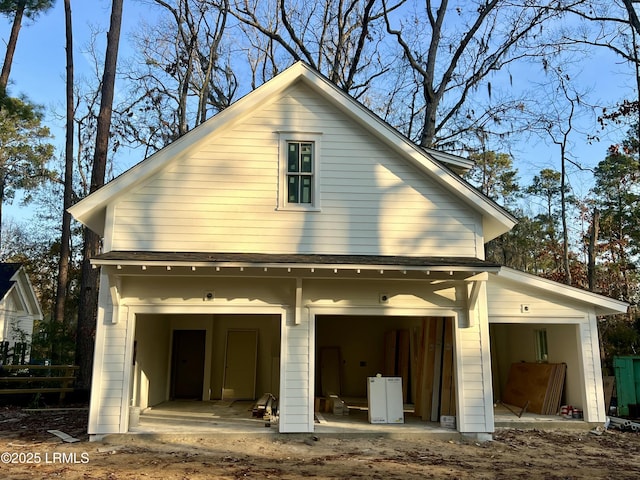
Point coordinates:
[(186, 417), (506, 419), (236, 417)]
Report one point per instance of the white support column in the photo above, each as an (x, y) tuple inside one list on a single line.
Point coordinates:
[(127, 383), (594, 406), (298, 305), (473, 370), (296, 378)]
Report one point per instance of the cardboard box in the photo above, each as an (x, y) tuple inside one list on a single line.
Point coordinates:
[(337, 406), (448, 421)]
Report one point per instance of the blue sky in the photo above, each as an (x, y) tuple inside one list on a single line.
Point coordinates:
[(39, 70), (39, 63)]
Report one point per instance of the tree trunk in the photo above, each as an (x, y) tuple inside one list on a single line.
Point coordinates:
[(593, 239), (65, 239), (429, 129), (634, 21), (2, 186), (565, 228), (11, 46), (87, 308)]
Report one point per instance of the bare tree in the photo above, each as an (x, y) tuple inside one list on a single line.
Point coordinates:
[(557, 119), (452, 51), (613, 26), (633, 15), (181, 75), (87, 308), (341, 38), (65, 238)]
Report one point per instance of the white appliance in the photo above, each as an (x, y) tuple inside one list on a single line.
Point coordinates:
[(384, 395)]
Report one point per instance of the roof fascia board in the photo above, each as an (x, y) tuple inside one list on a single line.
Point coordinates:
[(180, 148), (25, 289), (606, 304), (456, 161), (271, 265)]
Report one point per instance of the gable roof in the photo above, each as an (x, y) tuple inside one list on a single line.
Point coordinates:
[(91, 211), (603, 305), (7, 280), (15, 281)]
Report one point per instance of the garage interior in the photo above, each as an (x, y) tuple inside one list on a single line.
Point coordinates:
[(169, 388), (205, 357), (350, 349), (532, 351)]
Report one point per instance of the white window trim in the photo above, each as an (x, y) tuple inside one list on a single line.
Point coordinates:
[(541, 345), (312, 137)]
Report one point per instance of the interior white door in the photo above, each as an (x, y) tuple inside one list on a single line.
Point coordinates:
[(240, 365)]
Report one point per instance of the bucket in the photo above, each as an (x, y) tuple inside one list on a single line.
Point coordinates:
[(134, 416)]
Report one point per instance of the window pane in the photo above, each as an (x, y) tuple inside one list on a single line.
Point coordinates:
[(293, 157), (306, 190), (306, 150), (542, 352), (292, 193)]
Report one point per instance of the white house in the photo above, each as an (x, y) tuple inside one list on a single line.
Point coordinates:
[(19, 306), (297, 224)]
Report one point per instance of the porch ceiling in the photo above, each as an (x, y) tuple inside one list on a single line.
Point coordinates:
[(253, 264)]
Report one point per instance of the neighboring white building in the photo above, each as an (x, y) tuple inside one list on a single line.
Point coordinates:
[(19, 306), (294, 221)]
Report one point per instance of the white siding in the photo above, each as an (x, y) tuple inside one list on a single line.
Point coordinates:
[(473, 372), (594, 409), (506, 300), (108, 391), (505, 306), (296, 404), (224, 197)]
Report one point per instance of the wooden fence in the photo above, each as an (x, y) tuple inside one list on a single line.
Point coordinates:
[(37, 379), (13, 355)]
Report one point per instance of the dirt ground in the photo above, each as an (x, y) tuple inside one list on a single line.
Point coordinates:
[(28, 451)]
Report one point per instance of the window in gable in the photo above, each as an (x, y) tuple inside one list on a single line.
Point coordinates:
[(299, 154), (300, 164)]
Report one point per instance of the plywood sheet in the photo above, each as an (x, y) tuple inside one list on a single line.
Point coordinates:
[(537, 385), (609, 384), (437, 371), (403, 361), (420, 354), (447, 406), (428, 367), (390, 349), (553, 397)]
